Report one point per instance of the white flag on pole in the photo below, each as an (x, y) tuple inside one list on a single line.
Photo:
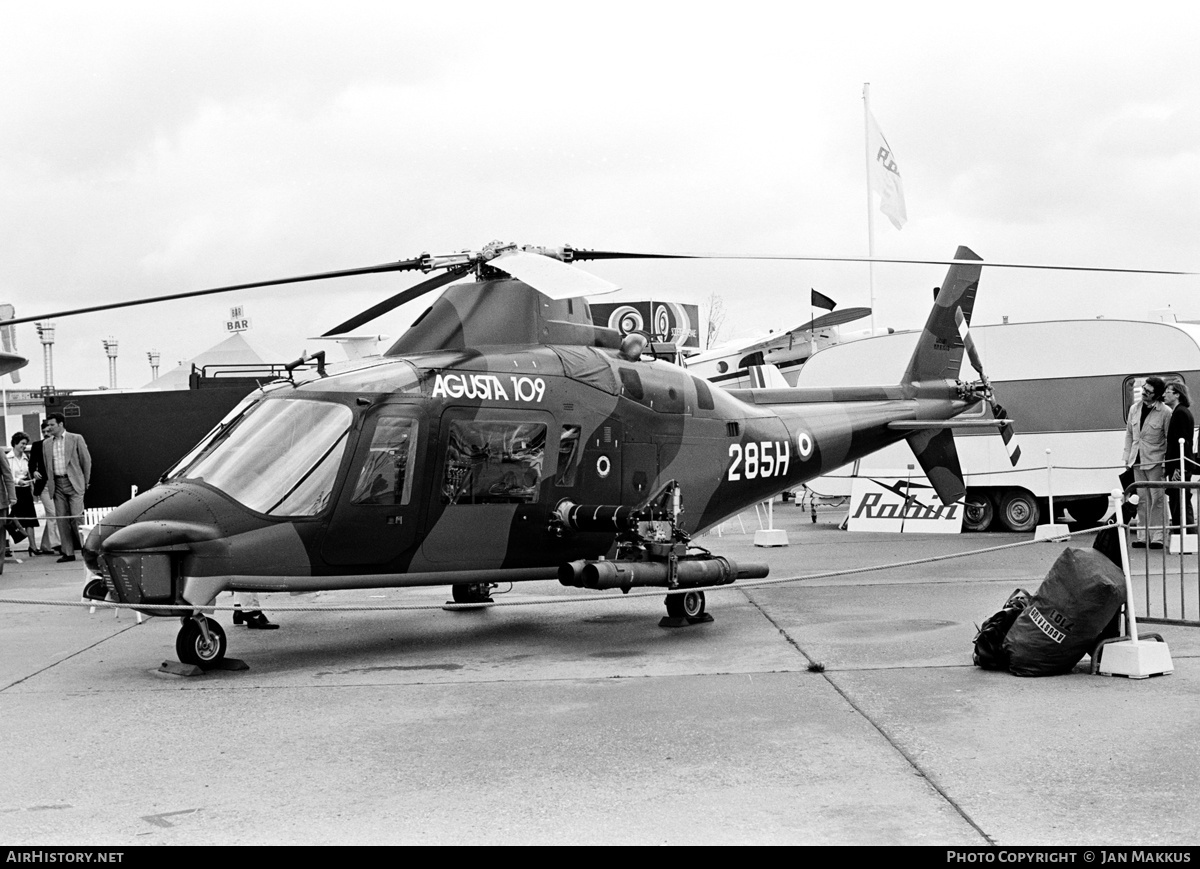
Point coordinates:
[(885, 177)]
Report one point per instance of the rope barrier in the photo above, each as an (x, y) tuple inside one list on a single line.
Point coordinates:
[(1116, 469), (544, 601)]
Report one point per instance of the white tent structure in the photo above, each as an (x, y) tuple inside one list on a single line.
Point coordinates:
[(234, 350)]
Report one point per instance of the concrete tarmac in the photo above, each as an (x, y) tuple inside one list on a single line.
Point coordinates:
[(580, 721)]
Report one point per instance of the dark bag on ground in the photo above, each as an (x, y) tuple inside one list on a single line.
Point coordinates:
[(989, 642), (1074, 607)]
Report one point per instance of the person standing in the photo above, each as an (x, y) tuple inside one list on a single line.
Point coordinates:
[(1145, 449), (24, 511), (8, 495), (37, 473), (68, 470), (248, 611), (1181, 428)]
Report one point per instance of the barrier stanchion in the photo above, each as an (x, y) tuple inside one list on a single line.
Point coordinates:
[(770, 536), (1183, 541), (1050, 531), (1129, 656)]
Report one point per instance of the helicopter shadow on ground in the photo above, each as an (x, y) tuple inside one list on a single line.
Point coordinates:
[(580, 639)]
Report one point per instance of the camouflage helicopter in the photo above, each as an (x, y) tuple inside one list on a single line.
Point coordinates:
[(506, 438)]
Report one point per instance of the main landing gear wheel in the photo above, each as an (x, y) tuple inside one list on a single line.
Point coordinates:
[(685, 609), (476, 592), (689, 605), (979, 512), (193, 647)]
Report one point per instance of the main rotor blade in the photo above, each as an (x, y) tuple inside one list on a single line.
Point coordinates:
[(627, 254), (400, 266), (393, 302), (552, 277), (587, 254)]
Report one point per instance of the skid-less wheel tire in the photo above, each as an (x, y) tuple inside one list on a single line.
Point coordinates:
[(689, 605), (979, 512), (192, 648), (477, 592), (1019, 510)]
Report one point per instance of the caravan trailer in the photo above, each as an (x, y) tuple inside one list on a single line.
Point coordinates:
[(1067, 385)]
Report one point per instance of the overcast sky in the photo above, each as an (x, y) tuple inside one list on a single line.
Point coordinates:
[(151, 148)]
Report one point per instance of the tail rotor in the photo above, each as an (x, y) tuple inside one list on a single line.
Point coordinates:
[(1007, 432)]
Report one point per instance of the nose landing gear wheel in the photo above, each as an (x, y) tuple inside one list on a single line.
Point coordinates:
[(193, 647), (685, 609)]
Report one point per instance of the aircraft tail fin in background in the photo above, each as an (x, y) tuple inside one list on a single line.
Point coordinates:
[(939, 352)]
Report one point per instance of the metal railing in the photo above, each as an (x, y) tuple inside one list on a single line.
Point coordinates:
[(1166, 580)]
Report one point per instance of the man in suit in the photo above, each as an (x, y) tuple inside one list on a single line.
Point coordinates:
[(68, 470), (37, 472), (1145, 449)]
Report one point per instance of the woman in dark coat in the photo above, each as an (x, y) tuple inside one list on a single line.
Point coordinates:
[(1182, 427), (22, 512)]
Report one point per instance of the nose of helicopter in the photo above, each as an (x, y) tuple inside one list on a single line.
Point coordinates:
[(138, 547), (163, 516), (184, 543)]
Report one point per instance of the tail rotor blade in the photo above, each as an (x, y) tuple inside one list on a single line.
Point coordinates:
[(968, 342), (1007, 434), (1007, 430)]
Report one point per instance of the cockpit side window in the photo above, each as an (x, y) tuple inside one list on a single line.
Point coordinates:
[(569, 452), (387, 472)]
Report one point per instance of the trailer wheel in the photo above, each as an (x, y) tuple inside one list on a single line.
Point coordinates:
[(979, 512), (1018, 510)]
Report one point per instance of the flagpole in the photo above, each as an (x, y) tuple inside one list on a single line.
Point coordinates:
[(870, 214)]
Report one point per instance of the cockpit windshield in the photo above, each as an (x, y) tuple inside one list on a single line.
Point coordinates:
[(280, 456)]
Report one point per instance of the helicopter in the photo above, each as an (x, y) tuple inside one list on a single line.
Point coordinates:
[(506, 438)]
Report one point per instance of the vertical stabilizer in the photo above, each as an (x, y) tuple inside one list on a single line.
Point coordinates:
[(940, 349)]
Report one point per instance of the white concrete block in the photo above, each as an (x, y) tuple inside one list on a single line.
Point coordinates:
[(771, 537), (1138, 660)]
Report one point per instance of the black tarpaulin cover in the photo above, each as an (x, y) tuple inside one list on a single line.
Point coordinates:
[(1067, 615)]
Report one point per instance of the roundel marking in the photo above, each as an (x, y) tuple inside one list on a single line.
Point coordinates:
[(603, 466), (805, 445)]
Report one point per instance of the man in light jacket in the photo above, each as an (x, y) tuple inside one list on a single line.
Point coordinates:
[(68, 470), (1145, 450)]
